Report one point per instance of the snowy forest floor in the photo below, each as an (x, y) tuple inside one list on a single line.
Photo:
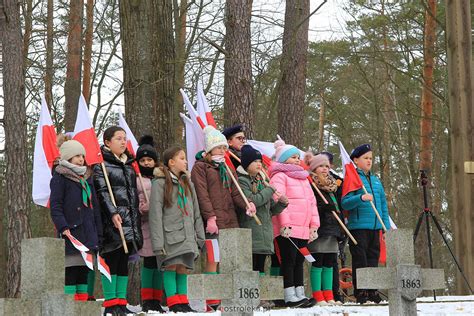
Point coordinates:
[(445, 305)]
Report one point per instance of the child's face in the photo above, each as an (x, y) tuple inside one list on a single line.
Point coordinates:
[(178, 163), (77, 160), (364, 162), (255, 167), (146, 162), (237, 141), (219, 150), (293, 160), (118, 143), (323, 169)]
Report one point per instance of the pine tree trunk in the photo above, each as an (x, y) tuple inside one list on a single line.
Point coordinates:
[(238, 93), (86, 83), (48, 78), (180, 12), (460, 85), (322, 118), (422, 255), (17, 191), (164, 59), (291, 91), (137, 36), (72, 86)]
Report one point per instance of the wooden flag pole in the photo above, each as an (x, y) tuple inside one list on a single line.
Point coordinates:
[(109, 187), (375, 210), (140, 178), (242, 193), (344, 227)]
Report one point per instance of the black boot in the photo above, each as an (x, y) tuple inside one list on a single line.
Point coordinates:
[(374, 296), (361, 296), (178, 308)]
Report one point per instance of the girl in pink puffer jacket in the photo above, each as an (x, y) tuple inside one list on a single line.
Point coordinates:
[(297, 224)]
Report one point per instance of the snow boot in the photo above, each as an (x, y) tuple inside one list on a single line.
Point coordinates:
[(291, 300)]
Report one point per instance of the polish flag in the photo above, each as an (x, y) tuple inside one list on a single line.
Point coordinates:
[(46, 152), (77, 244), (103, 267), (194, 140), (203, 107), (132, 144), (352, 181), (306, 254), (195, 117), (212, 248), (88, 260), (85, 134)]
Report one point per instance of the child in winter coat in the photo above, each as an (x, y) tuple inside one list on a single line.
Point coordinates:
[(297, 224), (151, 276), (75, 212), (261, 194), (216, 192), (176, 228), (325, 248), (363, 223), (119, 211)]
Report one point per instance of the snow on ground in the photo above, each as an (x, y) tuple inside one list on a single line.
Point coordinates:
[(444, 306)]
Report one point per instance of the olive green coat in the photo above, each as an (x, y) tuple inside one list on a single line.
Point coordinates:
[(170, 229), (262, 236)]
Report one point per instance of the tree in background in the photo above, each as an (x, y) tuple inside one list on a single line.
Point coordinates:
[(72, 87), (238, 91), (18, 200), (291, 90)]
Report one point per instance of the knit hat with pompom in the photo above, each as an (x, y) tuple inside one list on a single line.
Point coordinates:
[(284, 151), (213, 138), (313, 161), (147, 148)]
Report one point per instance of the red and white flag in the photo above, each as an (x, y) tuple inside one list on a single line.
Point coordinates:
[(352, 181), (77, 244), (85, 134), (306, 254), (46, 152), (103, 267), (132, 144), (88, 259), (195, 117), (194, 139), (203, 108), (212, 248)]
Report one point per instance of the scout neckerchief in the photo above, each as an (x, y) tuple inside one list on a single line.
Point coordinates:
[(86, 193)]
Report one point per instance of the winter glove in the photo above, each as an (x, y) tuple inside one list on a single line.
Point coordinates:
[(313, 234), (285, 231), (251, 209), (283, 199), (211, 226)]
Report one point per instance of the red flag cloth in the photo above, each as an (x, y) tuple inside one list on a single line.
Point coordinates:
[(306, 254), (352, 181), (46, 152), (103, 267), (132, 144), (212, 248), (383, 249), (228, 161), (85, 134)]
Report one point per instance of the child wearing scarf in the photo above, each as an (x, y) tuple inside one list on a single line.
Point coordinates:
[(123, 213), (151, 276), (215, 191), (176, 228), (325, 248), (297, 224), (75, 212)]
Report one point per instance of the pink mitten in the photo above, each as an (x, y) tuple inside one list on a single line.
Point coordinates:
[(211, 226), (251, 209)]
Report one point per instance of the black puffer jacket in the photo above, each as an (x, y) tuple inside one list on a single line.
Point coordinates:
[(123, 181), (329, 225)]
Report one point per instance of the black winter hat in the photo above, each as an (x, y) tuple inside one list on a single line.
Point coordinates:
[(231, 131), (249, 155), (361, 150), (147, 148)]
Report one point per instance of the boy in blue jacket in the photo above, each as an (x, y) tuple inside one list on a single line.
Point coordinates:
[(363, 223)]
